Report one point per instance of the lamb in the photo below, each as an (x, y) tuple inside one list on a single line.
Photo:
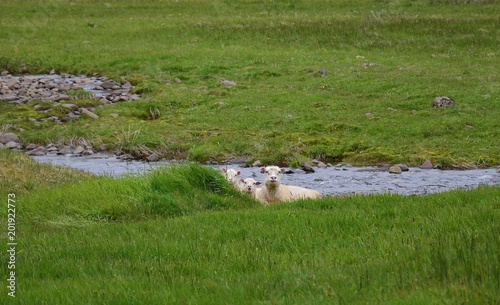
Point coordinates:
[(273, 191), (232, 176), (249, 186)]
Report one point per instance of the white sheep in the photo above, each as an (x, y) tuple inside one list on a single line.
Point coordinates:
[(273, 191), (249, 186), (232, 176)]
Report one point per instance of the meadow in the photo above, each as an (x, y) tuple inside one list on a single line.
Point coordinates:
[(181, 235), (387, 58)]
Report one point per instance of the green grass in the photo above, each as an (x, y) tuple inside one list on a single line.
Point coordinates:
[(389, 58), (183, 235)]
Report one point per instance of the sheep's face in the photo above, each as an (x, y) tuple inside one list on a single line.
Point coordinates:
[(273, 175), (231, 175), (249, 185)]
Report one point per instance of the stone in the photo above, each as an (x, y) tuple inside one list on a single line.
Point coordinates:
[(403, 167), (13, 145), (65, 150), (153, 157), (2, 146), (443, 101), (79, 150), (4, 73), (115, 115), (8, 137), (426, 165), (306, 167), (228, 83), (61, 97), (88, 152), (8, 98), (30, 146), (257, 163), (39, 151), (369, 115), (126, 157), (89, 113), (395, 169), (321, 165), (109, 84), (177, 80)]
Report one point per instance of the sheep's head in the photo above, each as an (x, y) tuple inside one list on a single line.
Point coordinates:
[(273, 175), (249, 185), (231, 175)]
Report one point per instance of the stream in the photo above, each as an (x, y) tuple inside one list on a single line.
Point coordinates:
[(331, 181)]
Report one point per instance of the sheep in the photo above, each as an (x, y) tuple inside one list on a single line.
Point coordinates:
[(232, 176), (249, 186), (273, 191)]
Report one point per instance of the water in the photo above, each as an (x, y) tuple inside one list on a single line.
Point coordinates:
[(332, 181)]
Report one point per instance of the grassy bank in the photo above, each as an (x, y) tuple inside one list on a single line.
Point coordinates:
[(387, 58), (182, 235)]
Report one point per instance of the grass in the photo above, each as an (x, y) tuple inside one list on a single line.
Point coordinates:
[(180, 234), (183, 235), (389, 58)]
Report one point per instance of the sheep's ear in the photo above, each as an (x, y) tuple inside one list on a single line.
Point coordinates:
[(262, 170), (283, 169), (224, 170), (238, 172), (242, 180), (257, 183)]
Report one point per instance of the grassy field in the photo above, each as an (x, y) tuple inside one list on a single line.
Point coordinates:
[(182, 236), (387, 58)]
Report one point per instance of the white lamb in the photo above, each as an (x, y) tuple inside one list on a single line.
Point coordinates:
[(273, 191), (232, 176), (249, 186)]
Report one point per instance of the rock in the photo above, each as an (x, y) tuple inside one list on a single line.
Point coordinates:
[(228, 83), (8, 137), (306, 167), (79, 150), (89, 113), (88, 152), (426, 165), (443, 101), (177, 80), (8, 98), (2, 146), (403, 167), (30, 146), (65, 150), (369, 115), (109, 84), (395, 169), (153, 157), (126, 157), (52, 72), (498, 169), (115, 115), (39, 151), (71, 107), (321, 165), (13, 145), (257, 163), (4, 73)]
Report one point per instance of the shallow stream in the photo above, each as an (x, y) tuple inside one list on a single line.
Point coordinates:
[(331, 181)]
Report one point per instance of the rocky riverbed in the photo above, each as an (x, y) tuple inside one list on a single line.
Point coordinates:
[(47, 91)]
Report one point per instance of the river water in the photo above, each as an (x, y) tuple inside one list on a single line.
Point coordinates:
[(331, 181)]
